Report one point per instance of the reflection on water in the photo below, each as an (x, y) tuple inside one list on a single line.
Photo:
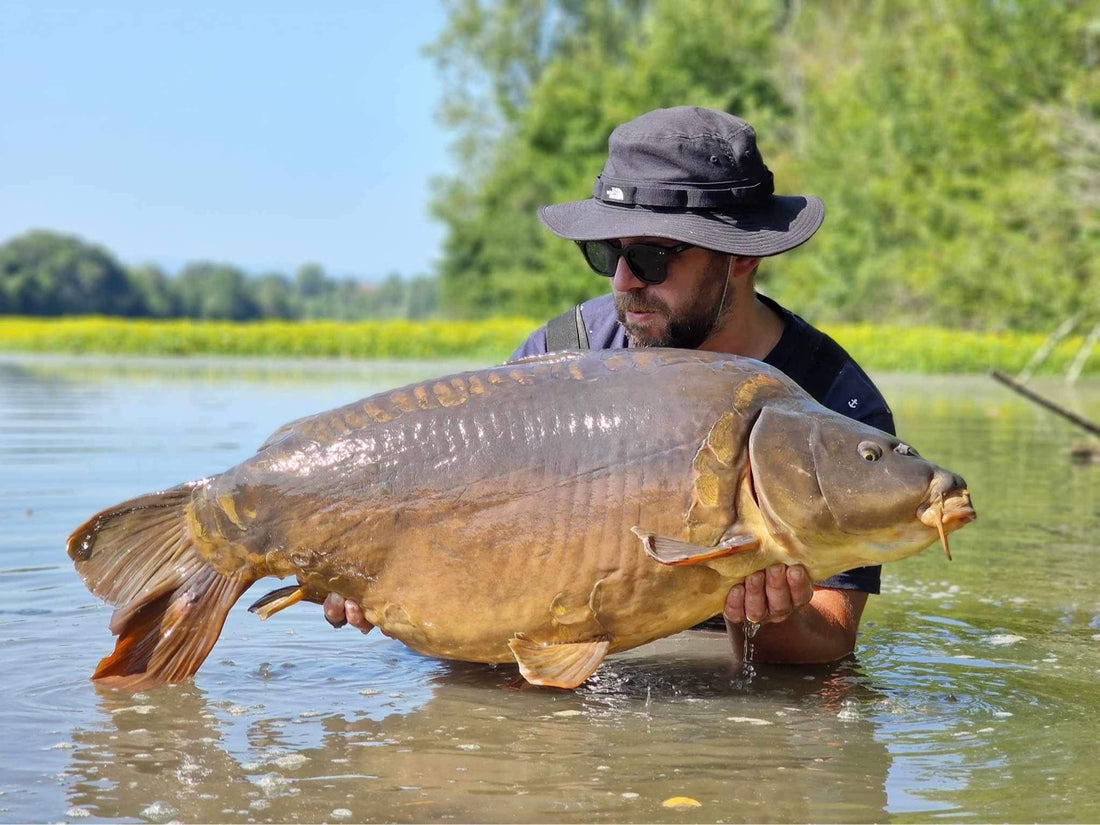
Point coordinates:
[(675, 721), (971, 698)]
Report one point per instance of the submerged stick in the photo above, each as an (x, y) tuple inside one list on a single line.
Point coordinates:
[(1041, 354), (1082, 356), (1031, 395)]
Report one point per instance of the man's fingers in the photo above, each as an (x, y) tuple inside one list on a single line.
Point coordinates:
[(756, 598), (355, 616), (734, 610), (340, 611), (770, 595), (778, 593), (802, 588), (333, 608)]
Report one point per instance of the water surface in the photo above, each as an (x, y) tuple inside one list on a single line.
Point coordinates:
[(972, 695)]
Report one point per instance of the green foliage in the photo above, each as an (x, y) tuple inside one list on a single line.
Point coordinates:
[(955, 145), (962, 213), (44, 273), (155, 291), (273, 296), (210, 290)]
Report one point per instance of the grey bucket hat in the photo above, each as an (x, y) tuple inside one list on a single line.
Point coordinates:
[(692, 175)]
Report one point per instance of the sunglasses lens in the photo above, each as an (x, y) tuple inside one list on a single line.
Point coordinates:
[(601, 256), (647, 262)]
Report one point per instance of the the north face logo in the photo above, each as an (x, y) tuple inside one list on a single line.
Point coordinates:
[(614, 193)]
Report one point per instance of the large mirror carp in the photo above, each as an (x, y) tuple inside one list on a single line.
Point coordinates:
[(548, 512)]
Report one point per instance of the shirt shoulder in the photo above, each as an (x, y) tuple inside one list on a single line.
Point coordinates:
[(854, 394), (826, 371), (601, 322)]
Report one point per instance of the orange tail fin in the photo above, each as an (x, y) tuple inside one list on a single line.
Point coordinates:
[(170, 604)]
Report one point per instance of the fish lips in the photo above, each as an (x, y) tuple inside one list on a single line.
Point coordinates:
[(951, 508)]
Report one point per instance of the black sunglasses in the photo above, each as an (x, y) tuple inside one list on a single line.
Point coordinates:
[(648, 262)]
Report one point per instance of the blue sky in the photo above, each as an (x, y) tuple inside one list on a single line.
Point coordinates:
[(259, 133)]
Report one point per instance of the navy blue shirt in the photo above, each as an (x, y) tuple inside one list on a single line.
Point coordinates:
[(850, 393)]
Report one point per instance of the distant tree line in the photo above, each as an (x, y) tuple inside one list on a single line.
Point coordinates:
[(45, 273)]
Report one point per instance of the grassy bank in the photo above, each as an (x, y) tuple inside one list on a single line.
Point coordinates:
[(878, 348)]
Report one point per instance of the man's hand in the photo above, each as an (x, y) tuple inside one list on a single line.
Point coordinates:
[(798, 623), (770, 595), (340, 611)]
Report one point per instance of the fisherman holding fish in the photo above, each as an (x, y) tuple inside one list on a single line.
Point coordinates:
[(568, 505), (680, 218)]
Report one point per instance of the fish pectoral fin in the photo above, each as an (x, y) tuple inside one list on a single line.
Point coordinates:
[(563, 665), (673, 551), (268, 605)]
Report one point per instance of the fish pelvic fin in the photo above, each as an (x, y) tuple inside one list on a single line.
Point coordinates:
[(675, 552), (279, 599), (562, 665), (170, 603)]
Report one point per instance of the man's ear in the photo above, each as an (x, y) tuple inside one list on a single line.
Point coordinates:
[(742, 265)]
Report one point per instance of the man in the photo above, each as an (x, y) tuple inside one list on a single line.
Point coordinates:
[(679, 219)]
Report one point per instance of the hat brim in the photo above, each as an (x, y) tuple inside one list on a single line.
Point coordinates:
[(789, 222)]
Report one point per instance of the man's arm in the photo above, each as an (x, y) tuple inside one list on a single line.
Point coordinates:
[(798, 624)]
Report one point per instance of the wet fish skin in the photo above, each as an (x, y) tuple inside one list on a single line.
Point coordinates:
[(523, 513)]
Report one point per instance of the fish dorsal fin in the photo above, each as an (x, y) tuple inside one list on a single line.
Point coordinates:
[(718, 467), (563, 665), (674, 552)]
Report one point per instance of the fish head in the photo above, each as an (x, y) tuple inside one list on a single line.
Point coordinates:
[(838, 494)]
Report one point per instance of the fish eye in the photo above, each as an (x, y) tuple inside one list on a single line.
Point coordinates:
[(904, 449), (869, 451)]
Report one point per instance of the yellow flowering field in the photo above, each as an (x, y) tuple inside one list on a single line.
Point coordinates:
[(878, 348)]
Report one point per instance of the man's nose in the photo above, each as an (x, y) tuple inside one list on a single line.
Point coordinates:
[(624, 279)]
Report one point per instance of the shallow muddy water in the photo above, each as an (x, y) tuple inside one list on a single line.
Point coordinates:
[(972, 695)]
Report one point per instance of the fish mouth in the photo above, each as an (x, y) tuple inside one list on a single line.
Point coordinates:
[(947, 512)]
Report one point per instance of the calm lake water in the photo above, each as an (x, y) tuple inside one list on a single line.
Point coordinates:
[(973, 695)]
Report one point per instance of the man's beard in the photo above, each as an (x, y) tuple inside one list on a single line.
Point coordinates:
[(687, 329)]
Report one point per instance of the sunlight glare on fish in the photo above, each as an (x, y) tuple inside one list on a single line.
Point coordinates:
[(298, 462), (602, 422)]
